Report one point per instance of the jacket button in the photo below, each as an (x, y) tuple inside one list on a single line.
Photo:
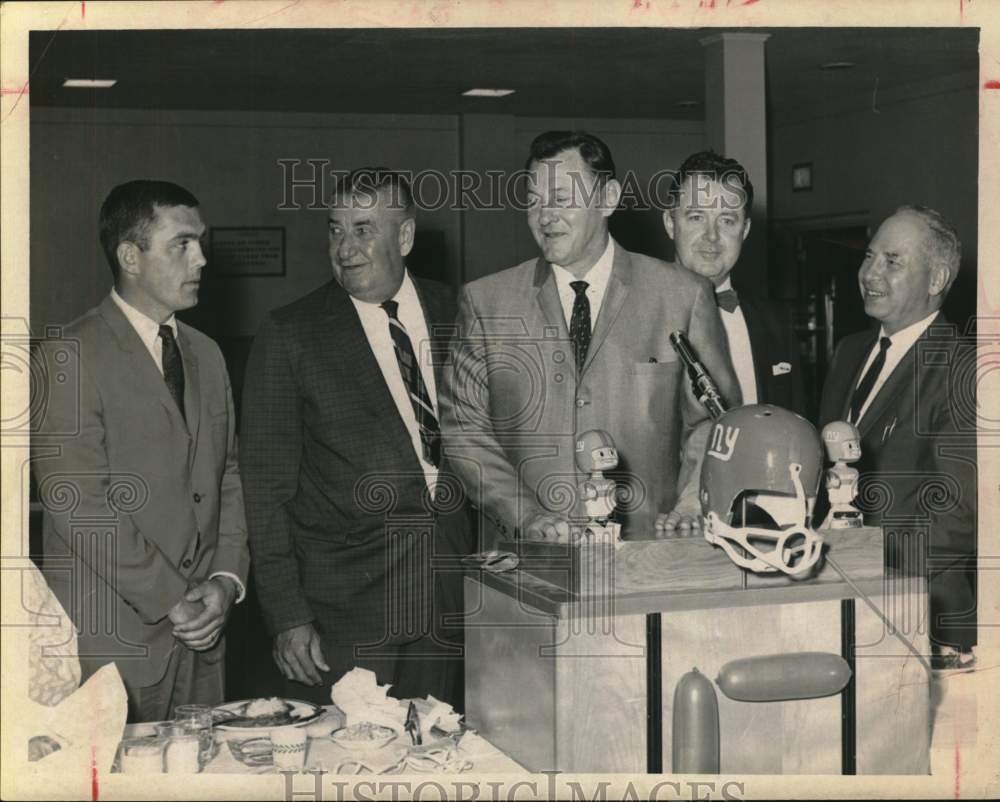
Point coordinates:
[(186, 564), (580, 402), (197, 497)]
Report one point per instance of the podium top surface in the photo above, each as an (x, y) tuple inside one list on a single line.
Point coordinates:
[(675, 574)]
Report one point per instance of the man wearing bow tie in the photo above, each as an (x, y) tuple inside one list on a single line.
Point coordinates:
[(708, 220), (350, 507), (578, 339), (909, 387)]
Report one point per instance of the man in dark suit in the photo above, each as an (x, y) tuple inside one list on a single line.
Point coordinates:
[(143, 526), (708, 220), (350, 509), (573, 340), (909, 387)]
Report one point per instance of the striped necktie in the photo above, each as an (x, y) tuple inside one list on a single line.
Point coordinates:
[(430, 432)]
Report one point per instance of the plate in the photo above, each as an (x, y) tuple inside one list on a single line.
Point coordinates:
[(363, 737), (300, 713)]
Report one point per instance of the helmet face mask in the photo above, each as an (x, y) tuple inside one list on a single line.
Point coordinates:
[(759, 481)]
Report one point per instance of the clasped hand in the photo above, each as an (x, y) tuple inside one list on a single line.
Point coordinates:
[(201, 614)]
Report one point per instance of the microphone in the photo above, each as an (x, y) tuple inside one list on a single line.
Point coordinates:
[(704, 386)]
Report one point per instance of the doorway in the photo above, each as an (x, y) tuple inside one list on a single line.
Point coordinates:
[(815, 269)]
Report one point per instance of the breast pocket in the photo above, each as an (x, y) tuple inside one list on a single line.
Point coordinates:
[(652, 389)]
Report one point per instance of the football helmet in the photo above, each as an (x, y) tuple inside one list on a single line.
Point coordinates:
[(759, 481), (595, 451), (842, 441)]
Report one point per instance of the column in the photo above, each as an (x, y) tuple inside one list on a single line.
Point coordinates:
[(736, 125)]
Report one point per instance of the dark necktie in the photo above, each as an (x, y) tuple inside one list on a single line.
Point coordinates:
[(728, 300), (579, 323), (173, 367), (868, 380), (430, 432)]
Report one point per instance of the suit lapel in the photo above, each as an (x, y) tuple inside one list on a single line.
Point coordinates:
[(548, 297), (344, 336), (138, 359), (439, 327), (614, 300), (898, 382), (760, 347), (192, 388), (858, 360)]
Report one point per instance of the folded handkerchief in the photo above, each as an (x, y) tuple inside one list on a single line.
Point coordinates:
[(780, 368)]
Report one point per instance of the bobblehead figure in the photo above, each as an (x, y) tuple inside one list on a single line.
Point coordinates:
[(596, 453), (843, 445)]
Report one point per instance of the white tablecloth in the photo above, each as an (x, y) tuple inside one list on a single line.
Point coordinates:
[(324, 754)]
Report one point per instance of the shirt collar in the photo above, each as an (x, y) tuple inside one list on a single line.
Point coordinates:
[(725, 285), (147, 328), (405, 296), (904, 338), (598, 275)]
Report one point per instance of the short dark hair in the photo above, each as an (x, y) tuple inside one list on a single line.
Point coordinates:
[(130, 209), (371, 181), (595, 153), (716, 167), (945, 246)]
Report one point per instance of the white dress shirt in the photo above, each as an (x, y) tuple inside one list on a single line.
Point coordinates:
[(901, 342), (597, 280), (149, 332), (147, 328), (739, 347), (375, 322)]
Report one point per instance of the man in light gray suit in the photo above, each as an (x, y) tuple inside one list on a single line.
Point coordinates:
[(134, 450), (578, 339)]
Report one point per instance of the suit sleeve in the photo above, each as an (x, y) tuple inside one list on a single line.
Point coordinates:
[(270, 453), (470, 439), (832, 399), (798, 403), (232, 555), (77, 483), (708, 337)]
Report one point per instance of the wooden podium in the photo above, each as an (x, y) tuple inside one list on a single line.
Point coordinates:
[(572, 659)]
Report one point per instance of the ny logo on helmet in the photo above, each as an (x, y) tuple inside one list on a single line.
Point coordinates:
[(723, 442)]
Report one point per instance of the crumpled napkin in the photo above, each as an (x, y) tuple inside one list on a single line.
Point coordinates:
[(435, 712), (361, 698), (87, 725)]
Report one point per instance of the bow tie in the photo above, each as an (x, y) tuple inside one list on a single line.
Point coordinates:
[(728, 300)]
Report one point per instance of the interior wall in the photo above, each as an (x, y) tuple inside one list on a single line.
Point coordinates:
[(231, 162), (918, 151)]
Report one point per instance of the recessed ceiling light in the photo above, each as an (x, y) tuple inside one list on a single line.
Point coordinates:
[(687, 104), (488, 92), (837, 65), (90, 83)]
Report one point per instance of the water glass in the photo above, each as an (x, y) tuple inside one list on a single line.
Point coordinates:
[(197, 719), (181, 748), (141, 756)]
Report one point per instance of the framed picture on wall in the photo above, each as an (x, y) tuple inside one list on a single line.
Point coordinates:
[(247, 251), (802, 177)]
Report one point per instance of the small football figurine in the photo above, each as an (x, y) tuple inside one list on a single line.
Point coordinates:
[(596, 453), (843, 445)]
